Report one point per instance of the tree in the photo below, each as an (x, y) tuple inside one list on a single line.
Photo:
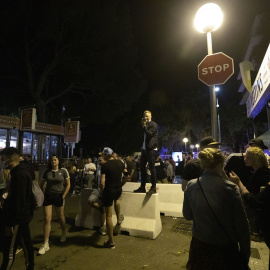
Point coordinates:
[(236, 128), (77, 53)]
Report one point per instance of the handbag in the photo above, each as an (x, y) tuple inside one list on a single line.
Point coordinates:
[(38, 194), (241, 260)]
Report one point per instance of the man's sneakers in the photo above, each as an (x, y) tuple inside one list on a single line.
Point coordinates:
[(45, 247), (151, 191), (117, 227), (108, 244), (140, 190)]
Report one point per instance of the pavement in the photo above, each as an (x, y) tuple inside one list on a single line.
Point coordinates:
[(84, 249)]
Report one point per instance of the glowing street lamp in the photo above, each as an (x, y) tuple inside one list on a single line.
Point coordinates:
[(185, 140), (219, 131), (208, 19), (197, 146)]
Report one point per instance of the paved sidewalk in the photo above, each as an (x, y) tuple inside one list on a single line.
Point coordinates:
[(259, 256), (84, 248)]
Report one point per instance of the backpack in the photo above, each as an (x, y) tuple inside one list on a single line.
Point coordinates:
[(38, 194)]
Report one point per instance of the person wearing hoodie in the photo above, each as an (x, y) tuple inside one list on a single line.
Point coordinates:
[(18, 209)]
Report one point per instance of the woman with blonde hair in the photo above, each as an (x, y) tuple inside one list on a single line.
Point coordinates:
[(257, 196), (256, 159), (219, 219)]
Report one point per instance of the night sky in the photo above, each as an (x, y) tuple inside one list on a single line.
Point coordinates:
[(170, 48), (116, 80)]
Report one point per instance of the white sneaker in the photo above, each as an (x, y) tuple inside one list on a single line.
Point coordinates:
[(102, 231), (63, 238), (43, 249)]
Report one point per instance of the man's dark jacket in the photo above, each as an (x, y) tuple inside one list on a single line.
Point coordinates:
[(18, 207), (151, 131)]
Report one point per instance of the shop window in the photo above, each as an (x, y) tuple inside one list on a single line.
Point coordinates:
[(54, 145), (45, 141), (47, 147), (14, 138), (35, 148), (27, 143), (3, 138)]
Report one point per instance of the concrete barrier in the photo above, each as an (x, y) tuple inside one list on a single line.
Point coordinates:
[(171, 197), (141, 212), (142, 215)]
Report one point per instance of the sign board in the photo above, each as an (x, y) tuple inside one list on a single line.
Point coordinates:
[(9, 122), (215, 69), (48, 128), (28, 119), (72, 132), (260, 93)]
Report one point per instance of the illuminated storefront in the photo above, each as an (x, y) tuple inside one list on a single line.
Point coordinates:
[(259, 96), (39, 143)]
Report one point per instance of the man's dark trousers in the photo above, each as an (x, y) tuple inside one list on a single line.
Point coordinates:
[(150, 157), (20, 236)]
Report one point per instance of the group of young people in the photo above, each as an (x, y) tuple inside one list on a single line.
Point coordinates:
[(57, 186), (216, 200), (19, 203), (213, 199)]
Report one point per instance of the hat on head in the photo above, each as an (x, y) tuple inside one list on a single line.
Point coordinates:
[(208, 142), (107, 151), (257, 142)]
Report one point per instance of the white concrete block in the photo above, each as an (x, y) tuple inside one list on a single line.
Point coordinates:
[(171, 197), (142, 215)]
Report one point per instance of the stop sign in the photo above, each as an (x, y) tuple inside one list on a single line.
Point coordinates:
[(215, 68)]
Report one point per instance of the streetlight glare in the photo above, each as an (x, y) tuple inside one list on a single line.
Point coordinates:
[(216, 89), (208, 18)]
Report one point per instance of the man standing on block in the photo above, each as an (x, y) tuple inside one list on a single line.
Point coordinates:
[(149, 150)]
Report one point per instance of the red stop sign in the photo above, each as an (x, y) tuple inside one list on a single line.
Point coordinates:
[(215, 68)]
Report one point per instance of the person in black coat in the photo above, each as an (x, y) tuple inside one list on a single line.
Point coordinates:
[(18, 209), (149, 151), (260, 202)]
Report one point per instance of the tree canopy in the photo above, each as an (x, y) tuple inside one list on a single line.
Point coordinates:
[(78, 53)]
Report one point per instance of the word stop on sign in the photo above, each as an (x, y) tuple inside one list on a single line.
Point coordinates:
[(217, 68)]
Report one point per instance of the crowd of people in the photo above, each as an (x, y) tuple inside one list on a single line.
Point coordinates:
[(87, 173), (226, 213), (228, 199)]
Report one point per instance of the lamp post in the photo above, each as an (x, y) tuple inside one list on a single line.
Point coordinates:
[(185, 140), (218, 119), (197, 146), (219, 132), (208, 19)]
